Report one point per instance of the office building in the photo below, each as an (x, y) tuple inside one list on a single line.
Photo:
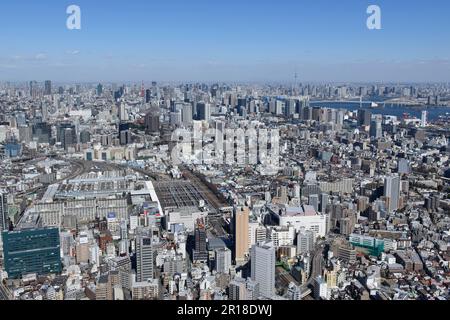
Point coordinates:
[(99, 90), (186, 114), (263, 268), (241, 237), (423, 120), (364, 117), (324, 201), (314, 201), (47, 88), (223, 260), (31, 250), (200, 253), (392, 192), (305, 241), (144, 256), (376, 127), (203, 111), (152, 121)]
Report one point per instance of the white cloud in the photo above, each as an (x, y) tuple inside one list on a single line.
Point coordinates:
[(40, 56)]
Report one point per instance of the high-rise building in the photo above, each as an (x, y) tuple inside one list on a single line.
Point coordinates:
[(364, 117), (152, 121), (314, 201), (186, 114), (148, 95), (200, 253), (263, 268), (123, 113), (85, 136), (4, 225), (66, 134), (223, 260), (241, 219), (31, 250), (99, 89), (33, 88), (376, 127), (203, 111), (47, 88), (42, 132), (423, 121), (324, 200), (392, 192), (305, 241), (124, 133), (144, 256), (69, 139)]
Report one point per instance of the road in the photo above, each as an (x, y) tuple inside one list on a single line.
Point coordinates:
[(316, 265)]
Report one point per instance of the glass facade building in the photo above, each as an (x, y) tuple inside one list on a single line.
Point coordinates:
[(31, 251), (371, 246)]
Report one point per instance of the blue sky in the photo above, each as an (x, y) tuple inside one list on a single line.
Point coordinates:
[(246, 40)]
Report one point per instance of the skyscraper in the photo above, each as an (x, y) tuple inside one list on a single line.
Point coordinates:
[(152, 121), (314, 201), (324, 200), (376, 128), (148, 95), (364, 117), (203, 111), (66, 134), (392, 192), (47, 88), (186, 114), (263, 268), (200, 253), (33, 88), (423, 121), (144, 256), (123, 113), (99, 89), (3, 212), (124, 133), (241, 218)]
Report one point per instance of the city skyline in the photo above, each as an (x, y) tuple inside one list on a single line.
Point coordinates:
[(189, 151), (229, 42)]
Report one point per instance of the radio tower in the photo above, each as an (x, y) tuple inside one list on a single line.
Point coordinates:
[(295, 82)]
